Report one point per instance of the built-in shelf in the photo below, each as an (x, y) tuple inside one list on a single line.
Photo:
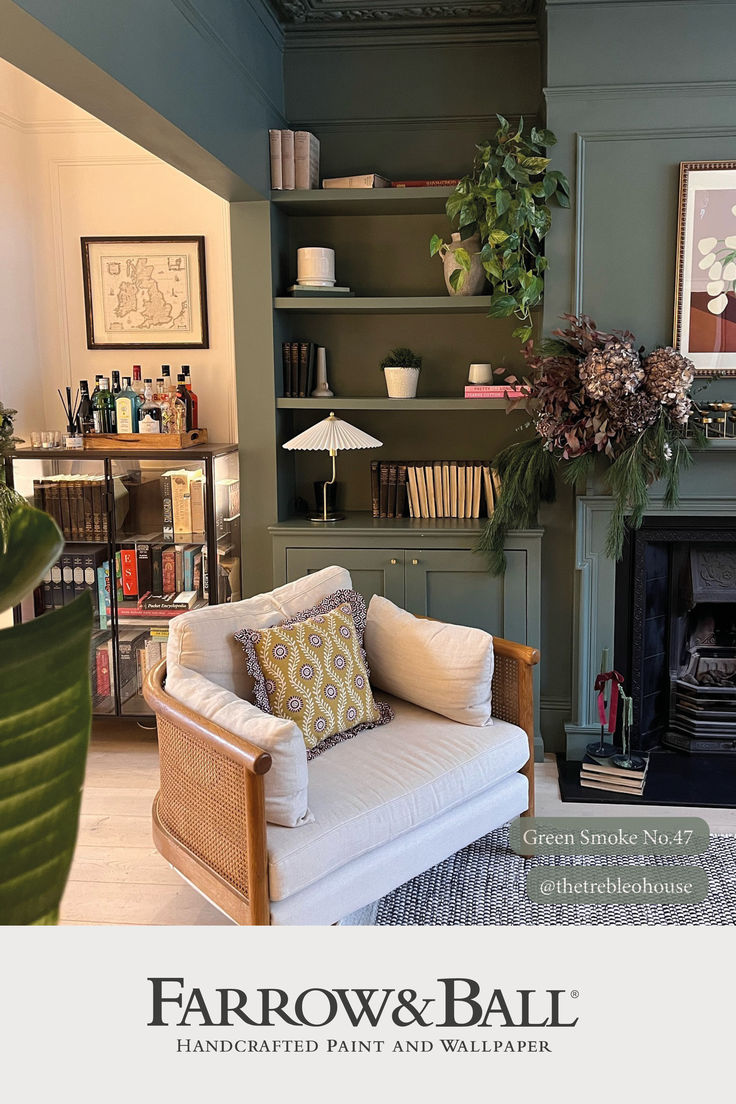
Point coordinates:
[(382, 403), (363, 201), (405, 304), (360, 522)]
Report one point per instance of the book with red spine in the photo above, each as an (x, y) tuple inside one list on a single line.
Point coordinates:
[(448, 182), (494, 391), (129, 569)]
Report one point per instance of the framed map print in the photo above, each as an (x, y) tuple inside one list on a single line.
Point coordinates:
[(145, 293), (705, 292)]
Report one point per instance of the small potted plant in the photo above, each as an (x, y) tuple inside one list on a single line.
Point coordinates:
[(401, 369)]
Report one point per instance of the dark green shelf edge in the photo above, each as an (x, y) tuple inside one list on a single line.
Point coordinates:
[(362, 201), (392, 404), (359, 522), (407, 304)]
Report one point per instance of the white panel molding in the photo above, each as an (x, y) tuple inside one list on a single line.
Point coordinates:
[(52, 126), (55, 167), (232, 396), (583, 141)]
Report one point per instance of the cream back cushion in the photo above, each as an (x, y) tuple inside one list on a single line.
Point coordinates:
[(204, 640), (444, 668)]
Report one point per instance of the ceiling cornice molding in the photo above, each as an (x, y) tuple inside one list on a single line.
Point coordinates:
[(326, 23)]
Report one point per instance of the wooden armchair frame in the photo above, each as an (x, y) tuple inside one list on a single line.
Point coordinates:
[(209, 816)]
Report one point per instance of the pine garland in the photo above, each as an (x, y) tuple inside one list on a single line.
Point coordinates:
[(527, 473)]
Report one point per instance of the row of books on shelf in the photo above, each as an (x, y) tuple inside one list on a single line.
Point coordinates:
[(77, 505), (138, 651), (433, 489), (298, 360), (152, 578), (294, 158)]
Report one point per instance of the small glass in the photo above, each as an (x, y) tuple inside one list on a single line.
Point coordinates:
[(47, 439), (58, 438), (35, 436)]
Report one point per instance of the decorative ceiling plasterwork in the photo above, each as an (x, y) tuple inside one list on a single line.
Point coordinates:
[(377, 16)]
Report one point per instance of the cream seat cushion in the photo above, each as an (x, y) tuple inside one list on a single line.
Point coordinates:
[(382, 784), (445, 668)]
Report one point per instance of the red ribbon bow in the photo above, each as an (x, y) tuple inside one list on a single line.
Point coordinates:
[(615, 680)]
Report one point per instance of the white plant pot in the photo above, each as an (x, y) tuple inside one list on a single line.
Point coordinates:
[(401, 383)]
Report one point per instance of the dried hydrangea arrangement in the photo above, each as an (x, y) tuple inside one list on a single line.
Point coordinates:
[(592, 394)]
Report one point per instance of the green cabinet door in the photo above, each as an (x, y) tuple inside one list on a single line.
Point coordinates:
[(373, 570), (455, 585)]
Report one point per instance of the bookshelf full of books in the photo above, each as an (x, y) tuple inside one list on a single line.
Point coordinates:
[(149, 536)]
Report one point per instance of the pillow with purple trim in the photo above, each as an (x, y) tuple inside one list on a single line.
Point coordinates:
[(312, 669)]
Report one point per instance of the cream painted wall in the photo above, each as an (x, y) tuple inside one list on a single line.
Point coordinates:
[(64, 175)]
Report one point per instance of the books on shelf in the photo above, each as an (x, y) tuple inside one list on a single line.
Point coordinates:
[(364, 180), (432, 489), (306, 160), (607, 776), (493, 391), (77, 505), (294, 156), (298, 360), (448, 182)]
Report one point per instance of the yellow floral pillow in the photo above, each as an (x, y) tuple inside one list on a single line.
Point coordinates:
[(314, 673)]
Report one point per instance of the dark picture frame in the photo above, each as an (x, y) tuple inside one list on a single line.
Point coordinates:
[(133, 287), (705, 282)]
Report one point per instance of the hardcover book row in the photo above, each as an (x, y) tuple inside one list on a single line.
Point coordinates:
[(433, 489)]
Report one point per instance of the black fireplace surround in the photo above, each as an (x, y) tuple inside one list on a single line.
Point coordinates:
[(675, 637)]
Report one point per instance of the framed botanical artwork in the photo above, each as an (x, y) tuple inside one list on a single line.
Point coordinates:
[(145, 293), (705, 291)]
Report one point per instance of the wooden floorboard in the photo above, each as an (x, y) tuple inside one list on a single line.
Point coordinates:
[(119, 878)]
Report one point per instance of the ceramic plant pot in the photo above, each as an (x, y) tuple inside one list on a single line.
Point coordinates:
[(475, 280), (401, 383)]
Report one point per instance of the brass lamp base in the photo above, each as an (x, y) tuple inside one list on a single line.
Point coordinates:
[(330, 516)]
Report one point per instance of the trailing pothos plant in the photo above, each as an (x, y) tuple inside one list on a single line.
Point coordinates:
[(45, 716), (506, 201), (594, 396)]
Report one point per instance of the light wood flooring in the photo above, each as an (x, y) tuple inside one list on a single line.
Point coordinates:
[(119, 878)]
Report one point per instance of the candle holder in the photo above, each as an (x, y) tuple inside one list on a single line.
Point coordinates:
[(626, 760), (607, 709)]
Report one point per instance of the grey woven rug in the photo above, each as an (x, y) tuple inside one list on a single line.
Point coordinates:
[(485, 883)]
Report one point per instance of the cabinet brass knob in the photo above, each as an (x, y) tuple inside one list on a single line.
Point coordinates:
[(415, 562), (394, 562)]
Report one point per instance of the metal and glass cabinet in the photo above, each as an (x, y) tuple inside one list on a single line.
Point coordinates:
[(151, 534)]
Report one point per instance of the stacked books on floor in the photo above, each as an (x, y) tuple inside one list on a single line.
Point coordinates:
[(433, 489), (294, 158), (77, 505), (605, 775), (298, 359)]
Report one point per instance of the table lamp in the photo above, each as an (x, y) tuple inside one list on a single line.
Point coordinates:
[(331, 435)]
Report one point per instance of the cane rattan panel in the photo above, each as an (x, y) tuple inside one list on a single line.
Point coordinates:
[(203, 802), (505, 692)]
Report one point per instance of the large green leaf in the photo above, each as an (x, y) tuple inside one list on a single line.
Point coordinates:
[(34, 542), (45, 718)]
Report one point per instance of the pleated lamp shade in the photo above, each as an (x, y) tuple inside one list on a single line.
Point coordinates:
[(332, 435)]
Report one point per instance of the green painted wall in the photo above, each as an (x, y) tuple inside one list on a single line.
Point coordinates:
[(632, 89), (195, 81)]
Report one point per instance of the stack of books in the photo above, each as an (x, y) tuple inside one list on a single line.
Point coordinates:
[(605, 775), (433, 489), (298, 359), (294, 160), (493, 391)]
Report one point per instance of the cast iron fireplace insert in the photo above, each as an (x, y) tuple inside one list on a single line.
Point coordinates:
[(675, 639)]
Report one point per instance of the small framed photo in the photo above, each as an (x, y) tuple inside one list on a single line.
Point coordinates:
[(145, 293), (705, 290)]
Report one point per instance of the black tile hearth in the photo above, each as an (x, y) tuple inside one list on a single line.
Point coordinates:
[(708, 781)]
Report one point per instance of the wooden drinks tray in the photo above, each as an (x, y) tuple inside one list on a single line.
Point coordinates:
[(134, 442)]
